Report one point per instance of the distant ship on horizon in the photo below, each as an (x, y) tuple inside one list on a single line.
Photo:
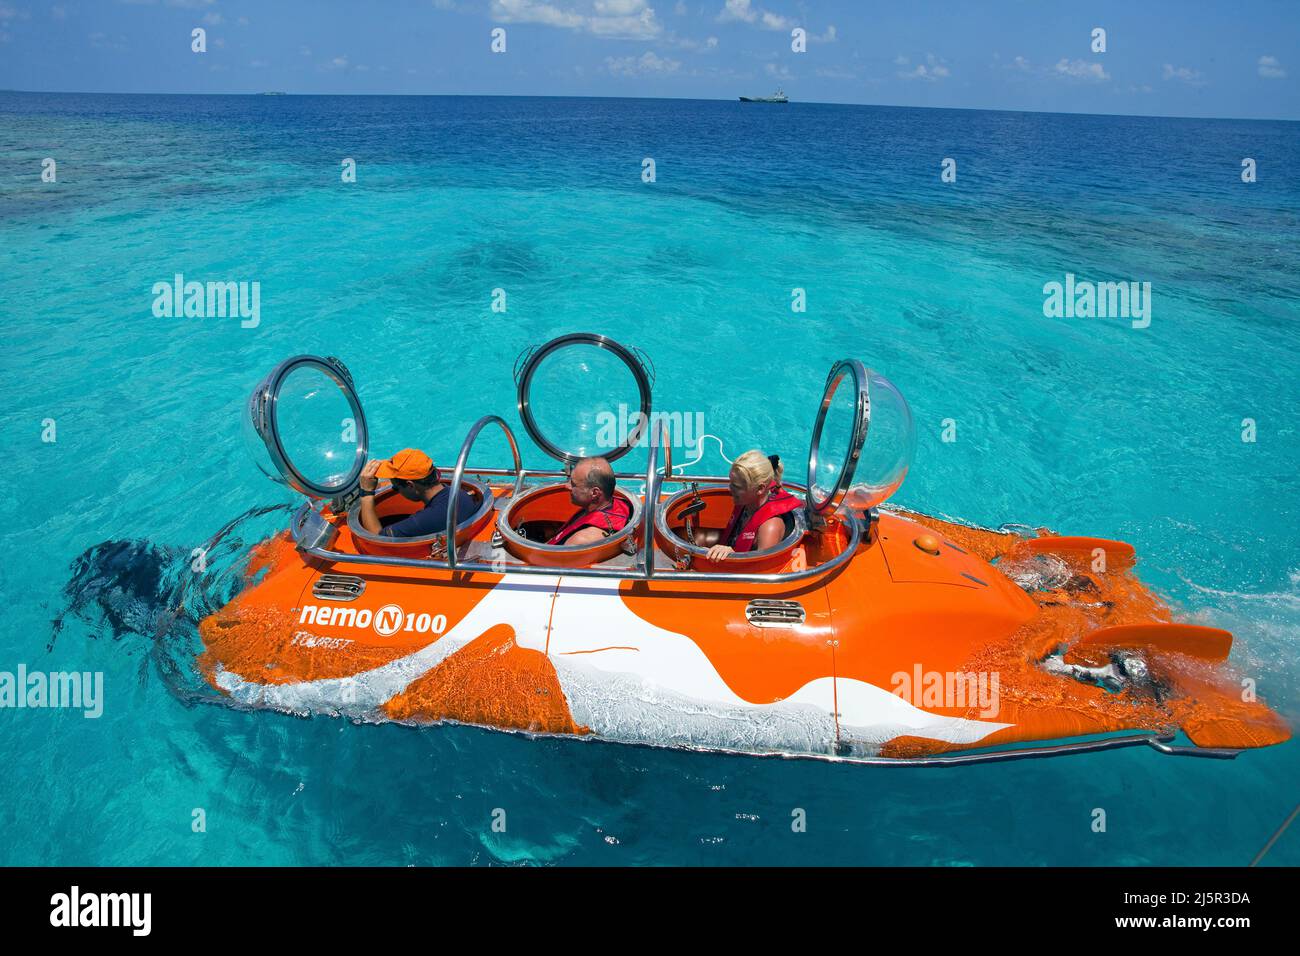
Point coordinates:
[(777, 97)]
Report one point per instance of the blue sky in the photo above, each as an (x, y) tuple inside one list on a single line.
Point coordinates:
[(1163, 57)]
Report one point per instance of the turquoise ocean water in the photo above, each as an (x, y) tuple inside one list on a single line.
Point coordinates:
[(1088, 426)]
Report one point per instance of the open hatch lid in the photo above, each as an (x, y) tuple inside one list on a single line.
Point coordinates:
[(306, 429), (862, 443), (584, 394)]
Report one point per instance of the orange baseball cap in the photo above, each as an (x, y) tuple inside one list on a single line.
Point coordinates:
[(409, 464)]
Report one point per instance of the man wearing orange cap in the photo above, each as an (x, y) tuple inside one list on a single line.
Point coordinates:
[(414, 476)]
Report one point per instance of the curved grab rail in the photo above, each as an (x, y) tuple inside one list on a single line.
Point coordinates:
[(459, 474), (652, 500), (307, 546)]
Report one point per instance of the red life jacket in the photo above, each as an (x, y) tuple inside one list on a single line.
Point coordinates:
[(778, 503), (610, 519)]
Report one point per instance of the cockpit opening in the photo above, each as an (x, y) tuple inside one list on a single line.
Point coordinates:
[(539, 516)]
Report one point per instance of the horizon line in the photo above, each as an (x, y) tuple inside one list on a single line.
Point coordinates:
[(689, 99)]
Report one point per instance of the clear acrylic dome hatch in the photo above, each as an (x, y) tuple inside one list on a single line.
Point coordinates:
[(583, 394), (304, 427), (863, 441)]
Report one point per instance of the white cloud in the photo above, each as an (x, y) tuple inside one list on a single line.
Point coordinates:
[(1270, 68), (923, 72), (695, 46), (526, 11), (1080, 70), (8, 12), (744, 11), (647, 63), (680, 9), (212, 19), (616, 19), (932, 70), (339, 62), (1183, 73), (737, 10), (618, 8)]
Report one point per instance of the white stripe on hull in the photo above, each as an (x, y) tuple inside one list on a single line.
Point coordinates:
[(630, 681)]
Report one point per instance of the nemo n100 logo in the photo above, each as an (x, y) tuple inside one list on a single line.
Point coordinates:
[(386, 621)]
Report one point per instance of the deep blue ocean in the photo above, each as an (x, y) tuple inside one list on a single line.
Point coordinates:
[(1084, 425)]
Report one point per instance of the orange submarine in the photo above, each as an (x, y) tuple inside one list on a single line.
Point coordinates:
[(870, 633)]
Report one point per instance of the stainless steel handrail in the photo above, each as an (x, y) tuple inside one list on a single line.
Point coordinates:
[(644, 573), (460, 473), (651, 497), (628, 574), (625, 476)]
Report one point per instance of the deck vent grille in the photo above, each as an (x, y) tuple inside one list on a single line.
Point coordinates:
[(338, 587), (769, 612)]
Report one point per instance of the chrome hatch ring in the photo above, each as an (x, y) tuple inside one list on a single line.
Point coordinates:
[(261, 412), (854, 369), (534, 357)]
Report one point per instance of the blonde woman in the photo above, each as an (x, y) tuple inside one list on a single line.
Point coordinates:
[(764, 511)]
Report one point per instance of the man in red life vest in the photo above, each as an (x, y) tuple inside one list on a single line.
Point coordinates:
[(763, 515), (600, 513)]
